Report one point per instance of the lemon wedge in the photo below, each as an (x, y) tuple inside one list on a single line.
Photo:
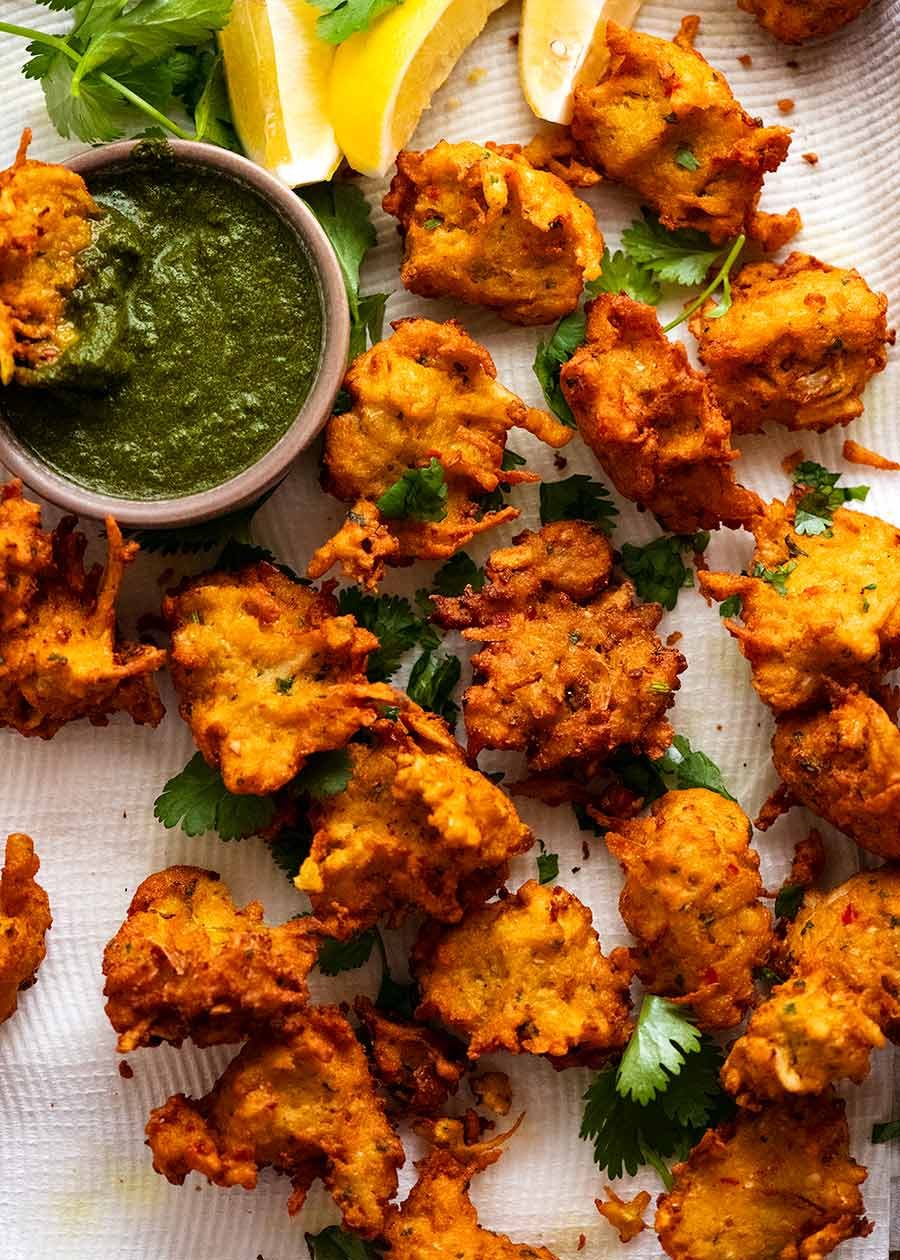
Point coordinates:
[(561, 43), (277, 70), (383, 79)]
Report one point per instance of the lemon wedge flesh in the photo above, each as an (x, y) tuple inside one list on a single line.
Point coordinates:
[(383, 79), (277, 70), (562, 43)]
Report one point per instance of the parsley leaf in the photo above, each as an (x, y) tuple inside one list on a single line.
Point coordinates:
[(788, 901), (823, 495), (197, 799), (657, 569), (686, 160), (208, 535), (325, 774), (662, 1037), (731, 607), (342, 18), (682, 257), (337, 956), (888, 1131), (547, 864), (578, 498), (334, 1243), (419, 495), (393, 621), (691, 768), (431, 682), (776, 578), (620, 273)]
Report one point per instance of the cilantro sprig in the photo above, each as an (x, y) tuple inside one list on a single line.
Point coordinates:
[(432, 681), (419, 495), (823, 496), (657, 568), (683, 257), (394, 622), (691, 768), (335, 1243), (340, 19), (578, 498), (336, 956)]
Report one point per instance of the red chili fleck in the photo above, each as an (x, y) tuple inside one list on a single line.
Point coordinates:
[(850, 915), (733, 869), (709, 976)]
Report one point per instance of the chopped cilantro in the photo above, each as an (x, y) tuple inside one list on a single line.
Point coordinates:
[(730, 607), (284, 686), (578, 498), (337, 956), (776, 578), (691, 768), (686, 160), (431, 682), (657, 568), (198, 801), (431, 223), (788, 901), (395, 624), (547, 864), (823, 495), (419, 495)]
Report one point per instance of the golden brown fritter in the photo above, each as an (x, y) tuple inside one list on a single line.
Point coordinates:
[(652, 421), (303, 1104), (429, 391), (838, 616), (45, 223), (493, 1091), (25, 553), (796, 347), (188, 963), (795, 21), (481, 225), (777, 1185), (842, 999), (24, 922), (842, 761), (414, 828), (419, 1067), (691, 898), (526, 974), (659, 101), (625, 1215), (267, 673), (63, 659), (438, 1221)]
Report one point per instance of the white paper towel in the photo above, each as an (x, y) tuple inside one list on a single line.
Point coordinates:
[(76, 1178)]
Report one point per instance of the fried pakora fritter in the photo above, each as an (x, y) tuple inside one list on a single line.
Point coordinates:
[(796, 347), (187, 962), (429, 391), (267, 673), (415, 827), (303, 1104), (25, 553), (420, 1067), (492, 1090), (659, 101), (842, 954), (481, 225), (625, 1215), (652, 421), (526, 974), (567, 682), (815, 607), (62, 659), (45, 223), (795, 21), (691, 898), (777, 1185), (24, 922), (842, 761)]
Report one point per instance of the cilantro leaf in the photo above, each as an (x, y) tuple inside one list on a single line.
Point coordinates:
[(419, 495), (291, 846), (686, 160), (691, 768), (578, 498), (325, 774), (888, 1131), (394, 998), (776, 578), (549, 359), (368, 323), (682, 257), (547, 864), (147, 32), (788, 901), (638, 773), (459, 572), (657, 569), (431, 682), (393, 621), (191, 539), (335, 1243), (212, 115), (731, 607), (823, 496), (662, 1037), (337, 956), (198, 800), (620, 273), (342, 18)]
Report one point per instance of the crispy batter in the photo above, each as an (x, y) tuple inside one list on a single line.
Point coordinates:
[(427, 391), (652, 421), (795, 21), (778, 1185), (625, 1215), (481, 225), (493, 1091), (24, 922), (188, 963), (420, 1067), (657, 99), (843, 762), (527, 975), (855, 453), (45, 223), (415, 827), (267, 673), (796, 347), (438, 1221), (839, 616), (808, 860), (25, 553), (555, 150), (303, 1104), (691, 898), (64, 660)]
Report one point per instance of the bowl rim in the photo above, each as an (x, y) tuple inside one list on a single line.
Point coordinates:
[(252, 482)]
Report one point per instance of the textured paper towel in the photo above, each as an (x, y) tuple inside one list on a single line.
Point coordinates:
[(76, 1178)]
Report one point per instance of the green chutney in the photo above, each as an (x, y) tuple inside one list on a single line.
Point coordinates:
[(200, 329)]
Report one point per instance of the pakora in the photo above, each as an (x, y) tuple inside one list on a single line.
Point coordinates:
[(566, 682), (815, 607), (45, 224), (481, 225), (691, 897), (428, 392), (62, 658), (493, 1091), (842, 761), (652, 421), (663, 122), (302, 1103), (527, 975), (415, 827), (25, 553), (24, 922), (796, 347), (267, 673), (625, 1215), (795, 21), (775, 1185), (187, 962), (420, 1067)]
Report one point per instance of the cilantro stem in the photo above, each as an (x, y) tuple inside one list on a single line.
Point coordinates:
[(721, 277), (40, 37)]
